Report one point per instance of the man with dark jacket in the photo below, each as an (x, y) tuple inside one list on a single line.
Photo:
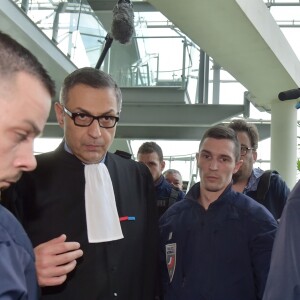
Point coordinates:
[(284, 276), (150, 153), (82, 193), (25, 100), (267, 188), (216, 244)]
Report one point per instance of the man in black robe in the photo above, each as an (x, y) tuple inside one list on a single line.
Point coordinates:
[(117, 233)]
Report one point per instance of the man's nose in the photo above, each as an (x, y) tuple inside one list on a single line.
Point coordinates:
[(94, 129), (25, 159), (214, 164)]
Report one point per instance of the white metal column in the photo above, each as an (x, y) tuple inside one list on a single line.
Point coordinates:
[(284, 140)]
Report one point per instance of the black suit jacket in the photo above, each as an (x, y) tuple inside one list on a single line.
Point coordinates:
[(50, 201)]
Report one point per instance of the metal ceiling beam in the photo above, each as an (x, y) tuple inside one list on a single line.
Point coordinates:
[(127, 132), (190, 133), (103, 5), (163, 121), (274, 3), (176, 115)]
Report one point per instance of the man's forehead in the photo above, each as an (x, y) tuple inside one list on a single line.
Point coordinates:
[(243, 137), (149, 156), (219, 146), (176, 176), (211, 140)]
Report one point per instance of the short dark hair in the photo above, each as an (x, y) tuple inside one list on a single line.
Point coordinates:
[(14, 58), (91, 77), (250, 129), (221, 132), (149, 147)]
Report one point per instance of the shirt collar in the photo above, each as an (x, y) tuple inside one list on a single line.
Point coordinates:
[(253, 180)]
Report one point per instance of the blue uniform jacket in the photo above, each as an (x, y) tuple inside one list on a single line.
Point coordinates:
[(17, 269), (163, 190), (284, 277), (166, 195), (222, 253)]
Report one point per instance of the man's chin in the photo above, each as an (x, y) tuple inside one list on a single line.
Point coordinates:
[(4, 185), (214, 188), (90, 157), (91, 161)]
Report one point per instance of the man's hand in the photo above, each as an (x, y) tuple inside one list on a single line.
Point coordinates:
[(55, 259)]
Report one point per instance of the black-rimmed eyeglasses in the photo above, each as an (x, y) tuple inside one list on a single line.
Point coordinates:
[(244, 150), (85, 120)]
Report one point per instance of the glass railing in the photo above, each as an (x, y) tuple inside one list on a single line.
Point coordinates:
[(161, 60), (165, 63), (71, 25)]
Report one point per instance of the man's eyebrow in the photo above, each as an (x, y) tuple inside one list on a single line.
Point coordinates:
[(89, 113), (205, 151), (220, 155), (34, 127), (225, 156)]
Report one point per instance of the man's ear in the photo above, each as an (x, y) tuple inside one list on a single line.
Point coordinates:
[(59, 114), (197, 158), (237, 165), (162, 164), (254, 154)]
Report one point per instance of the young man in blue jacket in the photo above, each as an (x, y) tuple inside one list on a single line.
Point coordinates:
[(217, 243)]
